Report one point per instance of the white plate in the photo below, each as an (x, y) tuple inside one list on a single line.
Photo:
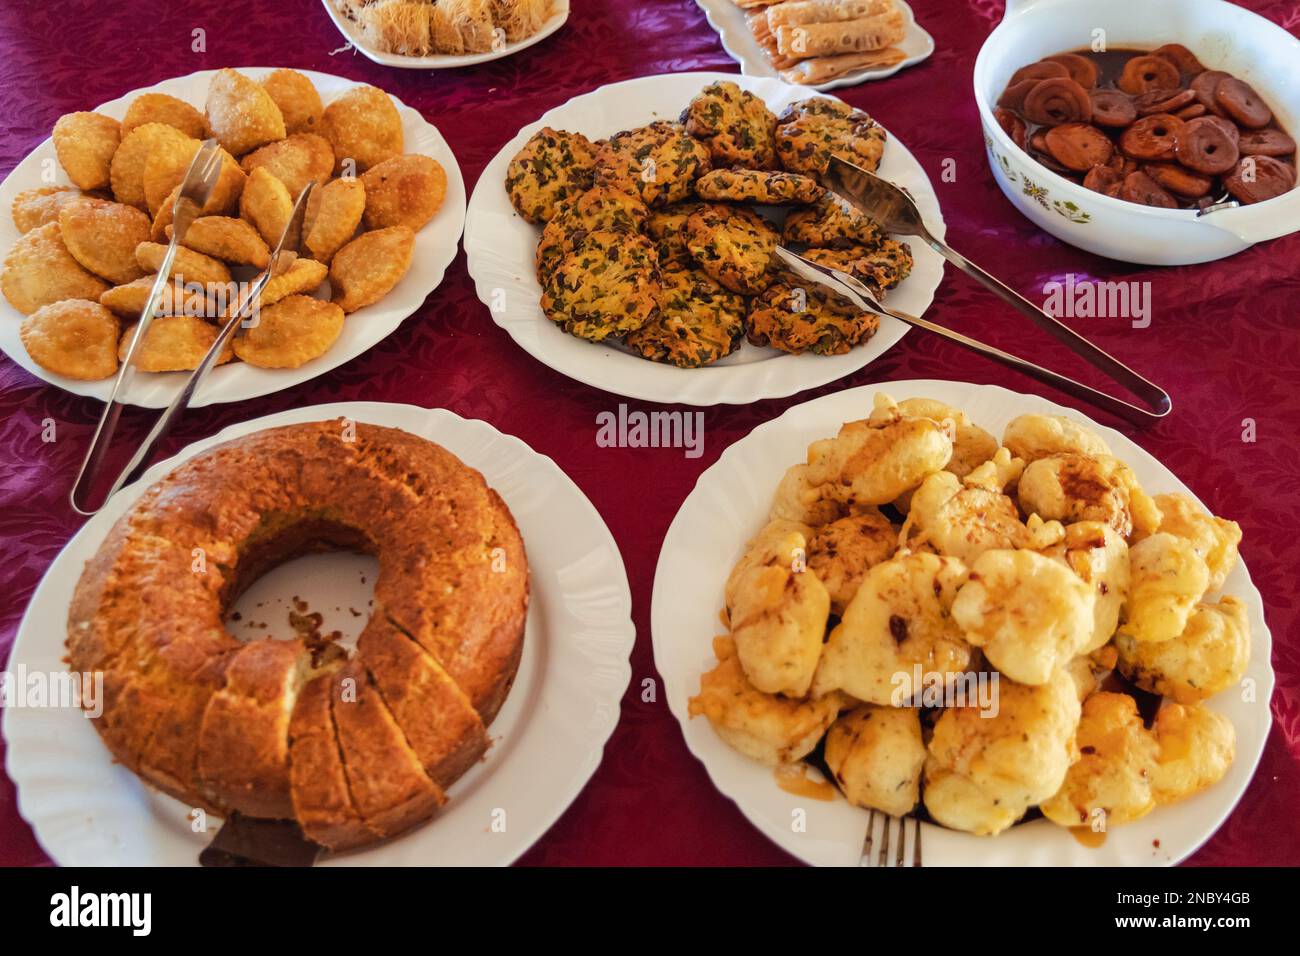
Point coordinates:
[(547, 740), (435, 248), (730, 503), (352, 33), (729, 21), (500, 247)]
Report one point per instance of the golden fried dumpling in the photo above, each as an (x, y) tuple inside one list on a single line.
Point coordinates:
[(333, 213), (966, 517), (1215, 539), (39, 270), (84, 144), (875, 755), (303, 276), (1197, 747), (290, 332), (873, 462), (1071, 487), (368, 267), (296, 161), (403, 191), (765, 727), (172, 343), (188, 266), (842, 552), (178, 298), (1099, 556), (36, 207), (1210, 655), (1166, 579), (1110, 783), (164, 172), (102, 236), (798, 499), (364, 128), (162, 108), (241, 114), (297, 99), (1034, 436), (228, 240), (899, 619), (158, 143), (985, 770), (266, 205), (73, 337), (778, 621)]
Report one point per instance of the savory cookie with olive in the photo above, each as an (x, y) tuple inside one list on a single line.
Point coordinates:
[(734, 123), (552, 166), (607, 286), (806, 317), (602, 209), (758, 186), (660, 162), (698, 321), (882, 267), (811, 131), (733, 245)]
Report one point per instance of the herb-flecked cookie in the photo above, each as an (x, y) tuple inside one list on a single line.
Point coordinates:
[(607, 286), (796, 316), (698, 321), (666, 228), (552, 166), (833, 221), (811, 131), (758, 186), (660, 162), (882, 267), (733, 245), (602, 209), (735, 124)]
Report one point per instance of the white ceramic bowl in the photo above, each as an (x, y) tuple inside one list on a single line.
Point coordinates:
[(1224, 37)]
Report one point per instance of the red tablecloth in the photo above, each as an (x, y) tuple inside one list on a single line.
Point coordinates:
[(1223, 341)]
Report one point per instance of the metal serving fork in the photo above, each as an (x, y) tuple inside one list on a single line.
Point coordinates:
[(896, 213), (290, 240), (893, 847)]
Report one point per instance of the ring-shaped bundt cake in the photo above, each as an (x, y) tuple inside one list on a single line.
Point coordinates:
[(355, 750)]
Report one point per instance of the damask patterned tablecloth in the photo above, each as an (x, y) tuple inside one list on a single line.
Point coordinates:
[(1223, 339)]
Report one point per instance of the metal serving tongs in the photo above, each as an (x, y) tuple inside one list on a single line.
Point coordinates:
[(290, 240), (897, 214)]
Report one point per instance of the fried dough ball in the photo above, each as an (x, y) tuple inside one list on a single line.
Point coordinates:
[(403, 191), (553, 166), (172, 343), (40, 270), (1215, 539), (1070, 487), (333, 213), (36, 207), (984, 771), (971, 445), (876, 755), (1099, 556), (778, 620), (304, 276), (227, 239), (364, 128), (1167, 579), (266, 204), (296, 161), (898, 619), (84, 144), (1089, 671), (290, 332), (842, 552), (1034, 436), (156, 141), (1210, 655), (873, 462), (368, 267), (778, 540), (1030, 614), (764, 727), (798, 499), (1197, 746), (601, 209), (188, 266), (659, 162), (102, 236), (297, 99), (967, 517), (1111, 780), (161, 108), (241, 114), (178, 298), (74, 338)]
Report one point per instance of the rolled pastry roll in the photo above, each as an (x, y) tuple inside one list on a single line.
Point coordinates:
[(847, 36), (820, 69), (824, 11)]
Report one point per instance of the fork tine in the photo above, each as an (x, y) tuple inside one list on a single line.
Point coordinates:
[(899, 859), (866, 841), (916, 846), (883, 858)]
